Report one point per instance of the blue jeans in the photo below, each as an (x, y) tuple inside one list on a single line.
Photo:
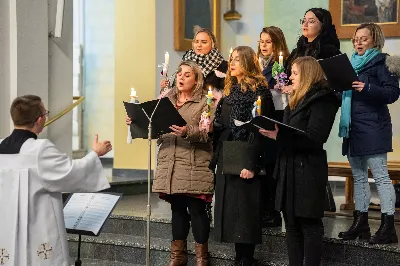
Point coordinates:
[(362, 193)]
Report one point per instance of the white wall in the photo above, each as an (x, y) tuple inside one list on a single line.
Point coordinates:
[(4, 68), (245, 31), (33, 64), (60, 59)]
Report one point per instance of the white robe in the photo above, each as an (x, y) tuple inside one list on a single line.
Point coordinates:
[(32, 229)]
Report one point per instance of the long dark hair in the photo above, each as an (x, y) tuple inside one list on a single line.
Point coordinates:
[(327, 34), (278, 42)]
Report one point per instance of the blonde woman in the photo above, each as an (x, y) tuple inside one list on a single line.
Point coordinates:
[(238, 197), (366, 128), (182, 175), (205, 53), (302, 167)]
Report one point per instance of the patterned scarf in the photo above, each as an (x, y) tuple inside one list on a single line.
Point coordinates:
[(207, 62), (242, 105), (265, 60)]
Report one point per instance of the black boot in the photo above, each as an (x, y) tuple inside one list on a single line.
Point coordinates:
[(359, 228), (386, 233), (272, 219)]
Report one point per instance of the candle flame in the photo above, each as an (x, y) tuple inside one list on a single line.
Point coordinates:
[(230, 50), (280, 53)]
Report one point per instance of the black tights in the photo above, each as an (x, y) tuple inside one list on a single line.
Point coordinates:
[(181, 218), (304, 241), (244, 252)]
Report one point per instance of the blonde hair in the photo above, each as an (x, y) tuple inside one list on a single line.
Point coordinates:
[(209, 33), (253, 77), (310, 73), (376, 32), (278, 42), (198, 74)]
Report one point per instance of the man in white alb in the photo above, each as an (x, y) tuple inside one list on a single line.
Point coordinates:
[(33, 173)]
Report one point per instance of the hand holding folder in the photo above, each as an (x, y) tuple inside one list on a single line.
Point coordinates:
[(165, 115), (263, 122), (339, 72)]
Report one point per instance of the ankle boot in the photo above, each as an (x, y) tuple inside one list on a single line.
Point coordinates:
[(201, 254), (386, 233), (178, 255), (359, 228)]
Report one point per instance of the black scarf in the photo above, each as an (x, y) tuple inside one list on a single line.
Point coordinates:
[(242, 106), (207, 62), (13, 143)]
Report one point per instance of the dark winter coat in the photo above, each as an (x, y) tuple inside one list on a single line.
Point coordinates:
[(371, 124), (237, 201), (302, 168), (318, 49), (270, 146), (213, 80)]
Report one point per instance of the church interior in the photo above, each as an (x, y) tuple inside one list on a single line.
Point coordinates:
[(83, 58)]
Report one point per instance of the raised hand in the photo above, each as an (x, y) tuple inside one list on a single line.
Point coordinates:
[(128, 120), (101, 148), (178, 131)]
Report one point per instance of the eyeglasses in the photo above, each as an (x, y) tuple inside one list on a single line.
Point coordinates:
[(46, 113), (262, 42), (308, 21), (360, 40)]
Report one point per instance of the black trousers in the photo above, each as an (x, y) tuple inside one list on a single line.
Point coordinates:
[(244, 253), (304, 240), (197, 216)]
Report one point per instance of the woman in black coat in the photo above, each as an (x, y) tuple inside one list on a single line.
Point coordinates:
[(238, 196), (319, 38), (302, 167), (272, 42)]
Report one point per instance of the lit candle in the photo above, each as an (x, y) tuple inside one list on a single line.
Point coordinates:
[(280, 59), (258, 105), (133, 92), (166, 60), (209, 94), (230, 52)]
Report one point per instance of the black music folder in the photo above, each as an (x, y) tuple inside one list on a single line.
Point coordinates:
[(263, 122), (165, 115), (86, 213), (339, 72)]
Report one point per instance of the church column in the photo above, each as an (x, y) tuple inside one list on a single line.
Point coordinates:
[(23, 54), (33, 63), (135, 66)]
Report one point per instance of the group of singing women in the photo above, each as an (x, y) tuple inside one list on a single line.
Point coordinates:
[(290, 173)]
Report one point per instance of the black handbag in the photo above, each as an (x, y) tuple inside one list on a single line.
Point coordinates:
[(239, 155)]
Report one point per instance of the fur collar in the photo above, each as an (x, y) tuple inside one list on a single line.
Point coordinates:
[(393, 64)]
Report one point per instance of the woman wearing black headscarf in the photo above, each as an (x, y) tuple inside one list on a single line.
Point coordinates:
[(319, 38)]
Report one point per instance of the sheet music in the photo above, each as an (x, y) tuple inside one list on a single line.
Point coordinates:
[(88, 211)]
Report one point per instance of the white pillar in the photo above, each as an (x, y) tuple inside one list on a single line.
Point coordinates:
[(31, 63)]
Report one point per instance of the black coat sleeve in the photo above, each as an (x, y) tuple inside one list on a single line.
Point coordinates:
[(322, 117), (267, 109)]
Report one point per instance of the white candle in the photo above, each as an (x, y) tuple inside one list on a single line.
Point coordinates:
[(166, 61), (133, 92), (281, 59), (209, 92)]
